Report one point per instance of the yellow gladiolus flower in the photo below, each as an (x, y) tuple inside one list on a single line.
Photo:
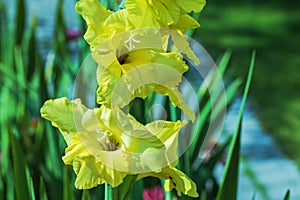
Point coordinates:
[(103, 24), (95, 16), (175, 179), (143, 71), (163, 13), (105, 145), (135, 57)]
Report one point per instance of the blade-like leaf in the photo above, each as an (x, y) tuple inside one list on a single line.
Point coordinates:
[(122, 191), (287, 195), (32, 193), (3, 25), (20, 21), (229, 185), (31, 51), (214, 80), (224, 61), (254, 196), (85, 195), (67, 190), (43, 193), (21, 184), (2, 191)]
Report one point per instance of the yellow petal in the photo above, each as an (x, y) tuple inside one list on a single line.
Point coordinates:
[(116, 22), (185, 22), (107, 79), (95, 15), (146, 148), (172, 8), (162, 12), (90, 171), (142, 80), (178, 101), (175, 179), (181, 42), (140, 14), (173, 60), (65, 115), (192, 5), (179, 181)]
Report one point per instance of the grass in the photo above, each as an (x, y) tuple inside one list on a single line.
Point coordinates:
[(273, 32)]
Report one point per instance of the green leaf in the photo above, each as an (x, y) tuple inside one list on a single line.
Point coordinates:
[(31, 51), (229, 185), (67, 190), (254, 196), (2, 191), (5, 139), (122, 192), (43, 90), (43, 193), (53, 160), (287, 195), (85, 195), (21, 184), (32, 193), (3, 25), (224, 61), (214, 80), (20, 21), (137, 190)]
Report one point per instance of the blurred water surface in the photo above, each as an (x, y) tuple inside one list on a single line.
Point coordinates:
[(45, 11)]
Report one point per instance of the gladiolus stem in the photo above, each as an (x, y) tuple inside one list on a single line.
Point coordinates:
[(123, 191)]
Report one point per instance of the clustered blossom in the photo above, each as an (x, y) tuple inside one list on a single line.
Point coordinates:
[(104, 144)]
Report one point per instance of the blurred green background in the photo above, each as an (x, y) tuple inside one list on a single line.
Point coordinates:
[(272, 28)]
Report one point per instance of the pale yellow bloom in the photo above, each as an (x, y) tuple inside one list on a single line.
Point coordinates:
[(144, 71), (105, 145), (103, 24)]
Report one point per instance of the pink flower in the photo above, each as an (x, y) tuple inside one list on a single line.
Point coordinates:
[(73, 34), (154, 193)]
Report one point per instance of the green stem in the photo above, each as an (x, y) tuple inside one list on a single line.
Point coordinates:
[(108, 192), (122, 5), (123, 191)]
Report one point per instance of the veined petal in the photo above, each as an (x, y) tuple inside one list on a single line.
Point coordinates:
[(175, 179), (162, 12), (153, 145), (192, 5), (132, 133), (65, 115), (173, 60), (107, 79), (173, 9), (116, 22), (178, 101), (143, 72), (185, 22), (179, 181), (90, 171), (181, 42), (142, 148), (95, 15), (142, 80), (137, 58), (167, 133), (140, 14)]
